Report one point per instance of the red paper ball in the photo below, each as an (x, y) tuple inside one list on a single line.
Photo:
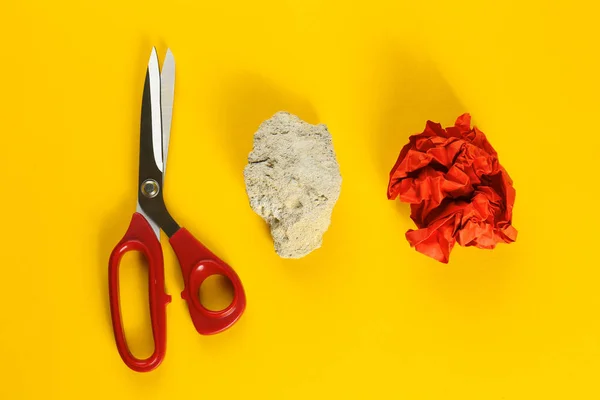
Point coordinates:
[(457, 190)]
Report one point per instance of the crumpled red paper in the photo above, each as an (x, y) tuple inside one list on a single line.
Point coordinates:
[(457, 190)]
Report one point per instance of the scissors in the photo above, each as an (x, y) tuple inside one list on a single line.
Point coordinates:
[(151, 216)]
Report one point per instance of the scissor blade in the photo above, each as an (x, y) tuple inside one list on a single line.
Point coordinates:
[(155, 109), (167, 78), (151, 155)]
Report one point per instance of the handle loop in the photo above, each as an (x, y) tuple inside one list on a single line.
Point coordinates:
[(140, 237), (198, 263)]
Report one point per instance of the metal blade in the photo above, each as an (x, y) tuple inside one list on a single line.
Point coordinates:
[(155, 104), (167, 90), (151, 163)]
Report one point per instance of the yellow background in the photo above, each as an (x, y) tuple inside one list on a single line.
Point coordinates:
[(363, 317)]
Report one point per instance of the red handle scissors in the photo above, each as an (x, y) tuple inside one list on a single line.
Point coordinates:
[(143, 235)]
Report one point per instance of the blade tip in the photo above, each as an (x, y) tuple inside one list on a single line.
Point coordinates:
[(169, 55), (153, 62)]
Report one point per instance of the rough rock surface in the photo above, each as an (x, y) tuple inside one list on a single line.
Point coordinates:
[(293, 182)]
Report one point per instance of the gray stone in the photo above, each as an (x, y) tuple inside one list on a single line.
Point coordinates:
[(293, 182)]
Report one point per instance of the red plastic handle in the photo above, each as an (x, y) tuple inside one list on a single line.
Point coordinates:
[(140, 237), (198, 263)]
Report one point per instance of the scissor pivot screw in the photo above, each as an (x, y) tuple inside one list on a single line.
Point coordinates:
[(150, 188)]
